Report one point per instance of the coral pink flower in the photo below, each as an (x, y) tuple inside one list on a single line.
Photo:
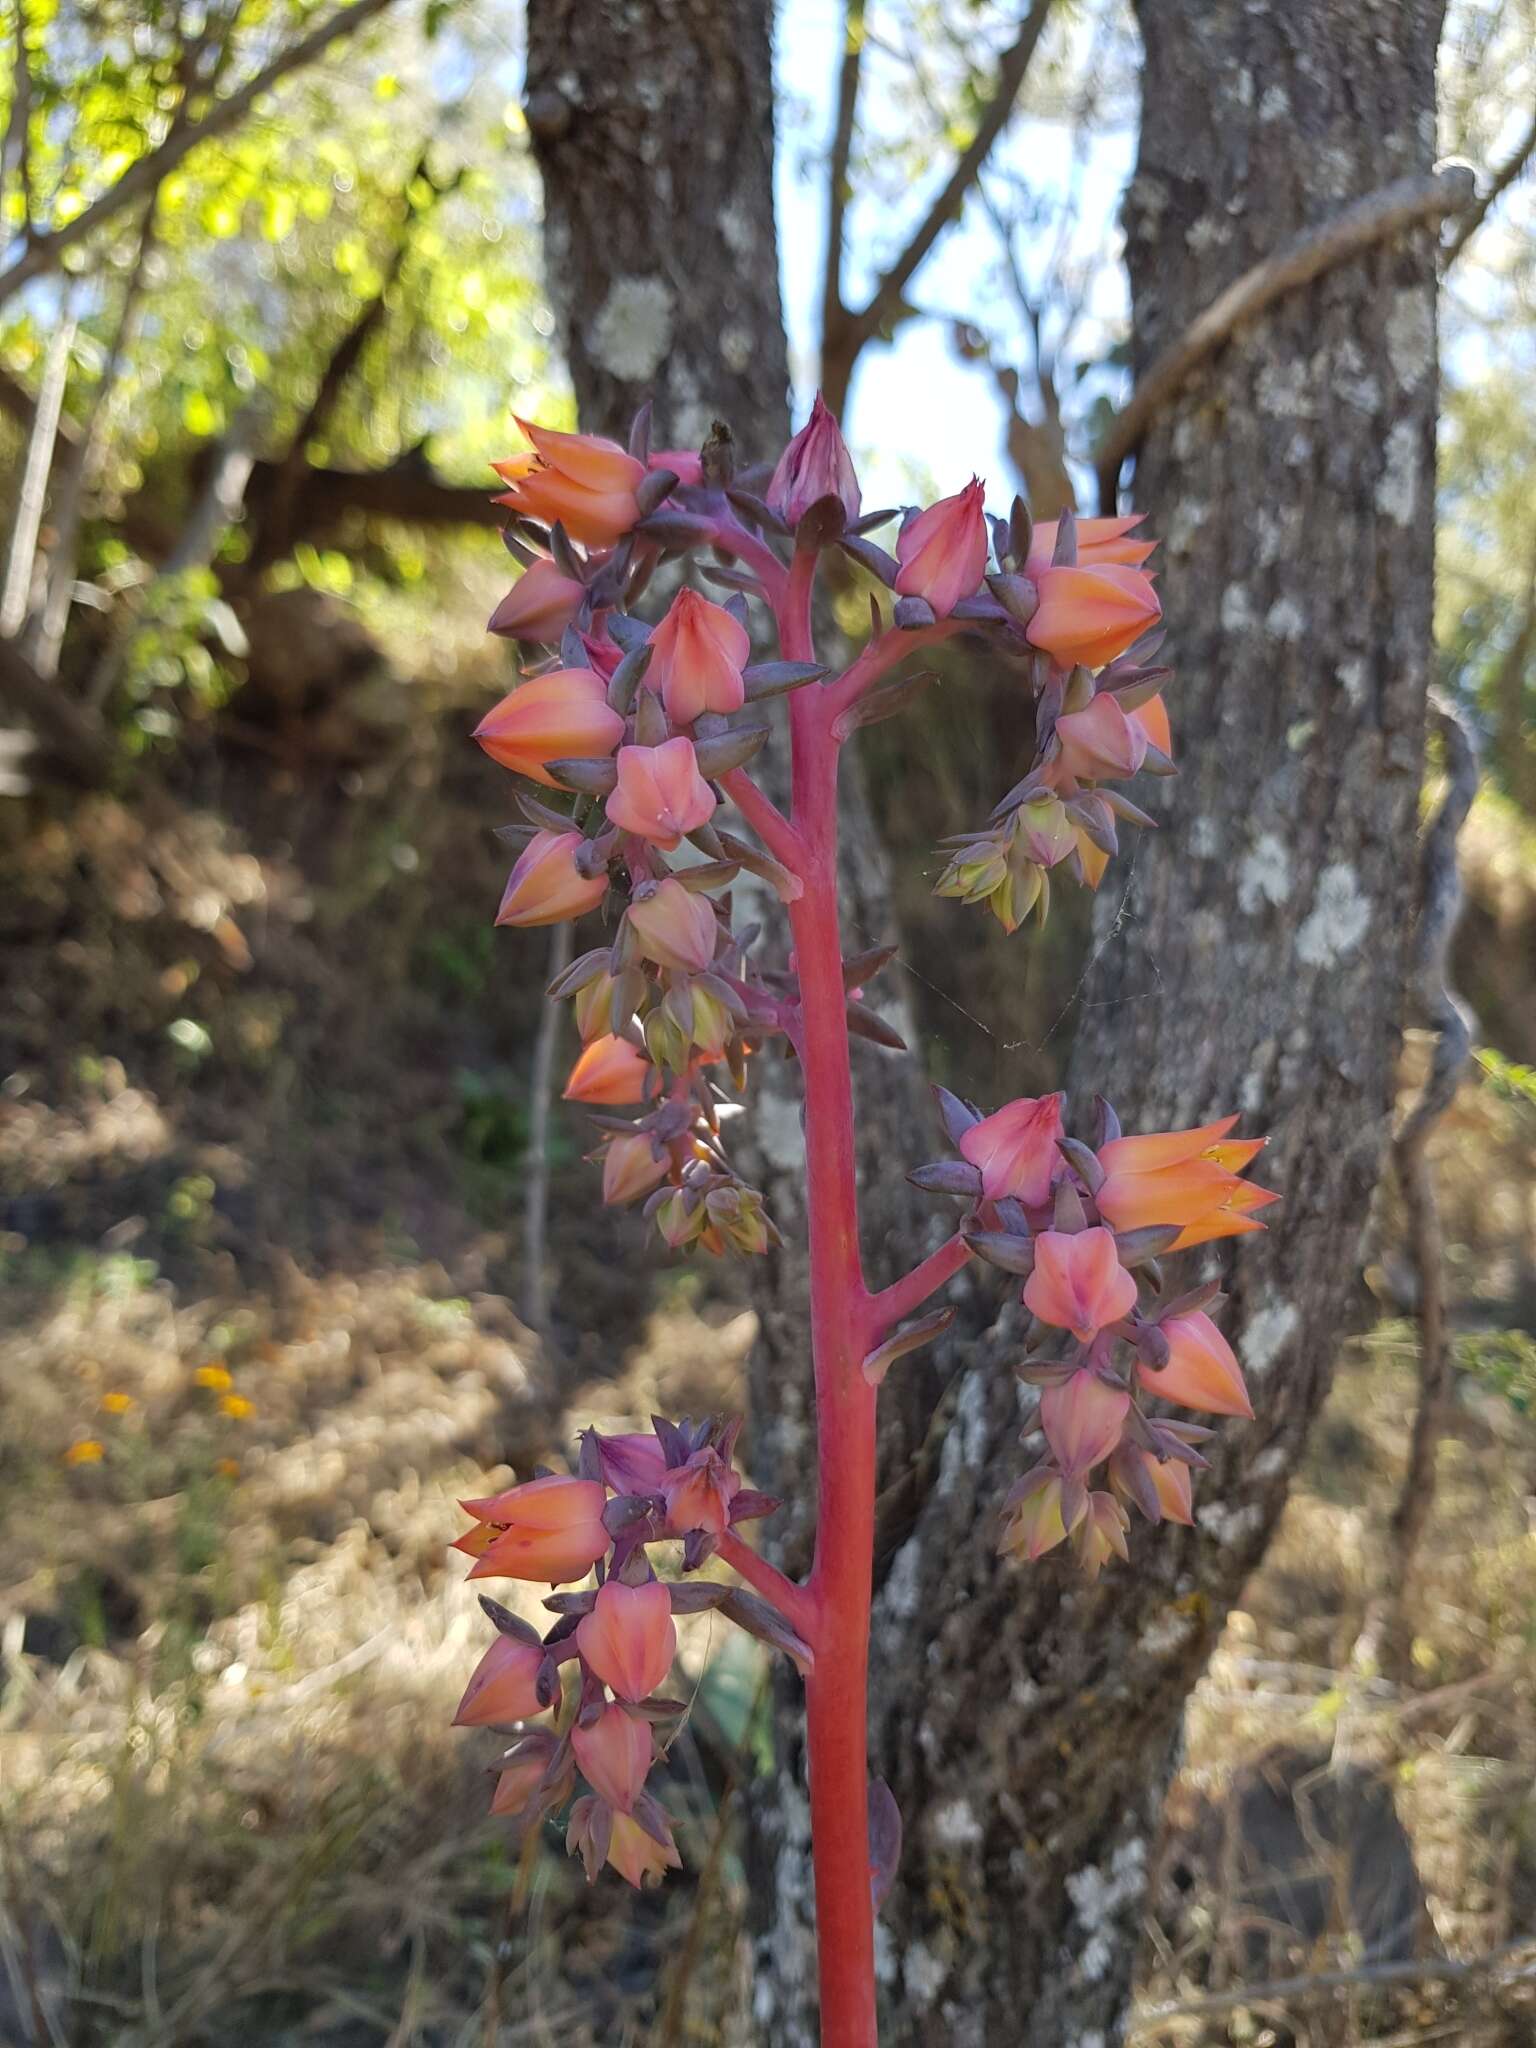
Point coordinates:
[(638, 1857), (676, 926), (1099, 541), (546, 886), (586, 483), (661, 794), (631, 1169), (1173, 1177), (1034, 1512), (614, 1755), (1078, 1282), (1087, 616), (504, 1687), (550, 1529), (629, 1640), (539, 606), (1015, 1149), (697, 655), (699, 1493), (564, 715), (815, 465), (1232, 1217), (943, 551), (1082, 1420), (1202, 1370), (1100, 743), (610, 1071)]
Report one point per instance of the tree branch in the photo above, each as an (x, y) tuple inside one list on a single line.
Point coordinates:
[(1405, 203), (44, 252), (74, 740), (1498, 185), (15, 596), (832, 308), (842, 343), (1388, 1632)]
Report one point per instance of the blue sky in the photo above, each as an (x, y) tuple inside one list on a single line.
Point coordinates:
[(916, 398)]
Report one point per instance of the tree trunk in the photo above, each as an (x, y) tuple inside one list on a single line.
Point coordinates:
[(1028, 1722), (652, 123)]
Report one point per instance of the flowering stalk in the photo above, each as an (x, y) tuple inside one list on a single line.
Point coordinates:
[(651, 729)]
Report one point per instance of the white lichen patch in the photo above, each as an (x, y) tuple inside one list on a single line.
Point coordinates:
[(1351, 675), (1098, 1894), (887, 1960), (1168, 1633), (1397, 488), (632, 331), (1338, 920), (1268, 1332), (1285, 619), (922, 1973), (1284, 389), (1297, 735), (1275, 104), (903, 1588), (1411, 337), (1204, 840), (738, 230), (1264, 874), (1236, 609), (954, 1825), (1230, 1526)]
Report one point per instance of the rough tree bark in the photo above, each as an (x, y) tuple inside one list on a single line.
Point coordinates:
[(1028, 1723)]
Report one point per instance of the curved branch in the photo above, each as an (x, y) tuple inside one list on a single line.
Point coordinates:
[(1405, 203), (1498, 185)]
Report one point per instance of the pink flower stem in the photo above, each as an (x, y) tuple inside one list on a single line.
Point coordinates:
[(793, 1602), (765, 818), (840, 1582), (906, 1295), (879, 657)]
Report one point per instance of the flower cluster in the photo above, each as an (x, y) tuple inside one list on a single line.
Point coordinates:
[(1086, 1228), (616, 1641)]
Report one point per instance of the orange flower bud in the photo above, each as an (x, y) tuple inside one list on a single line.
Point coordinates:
[(815, 465), (553, 717), (629, 1640), (661, 795), (592, 1007), (676, 927), (1202, 1370), (1099, 541), (1078, 1282), (504, 1686), (546, 886), (1086, 617), (1232, 1217), (1015, 1148), (697, 655), (1152, 717), (1082, 1420), (631, 1169), (610, 1071), (613, 1754), (539, 606), (549, 1530), (585, 482), (523, 1773), (637, 1856), (943, 551), (699, 1493)]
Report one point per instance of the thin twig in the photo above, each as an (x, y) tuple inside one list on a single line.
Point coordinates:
[(1447, 1016), (33, 495), (832, 307), (45, 252), (1405, 203), (1294, 1990), (842, 343), (1494, 191)]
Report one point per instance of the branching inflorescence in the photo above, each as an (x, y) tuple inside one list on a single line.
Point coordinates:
[(648, 730)]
